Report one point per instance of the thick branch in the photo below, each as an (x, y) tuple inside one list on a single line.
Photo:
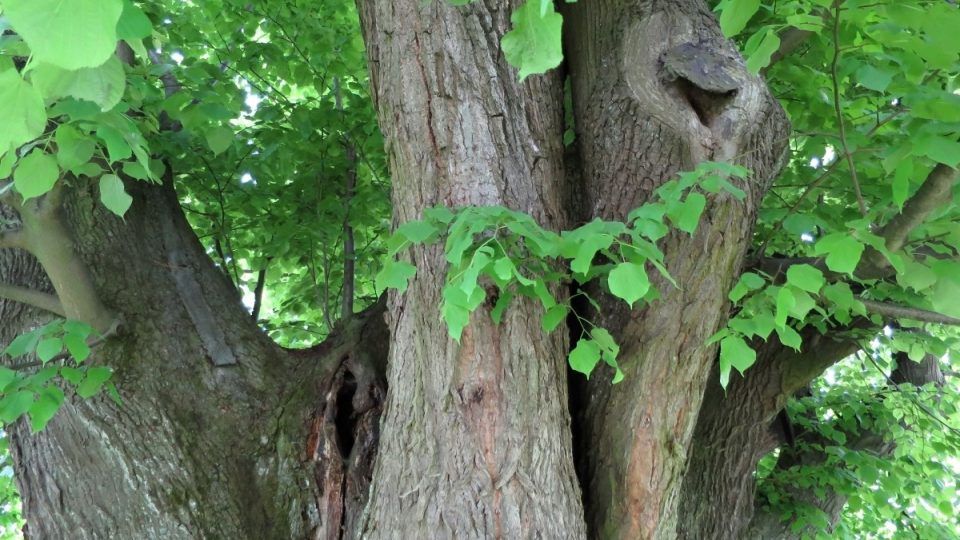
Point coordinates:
[(933, 194), (39, 299), (907, 312), (734, 431), (48, 240)]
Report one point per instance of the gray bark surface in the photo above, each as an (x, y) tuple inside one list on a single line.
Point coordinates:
[(647, 109), (478, 432)]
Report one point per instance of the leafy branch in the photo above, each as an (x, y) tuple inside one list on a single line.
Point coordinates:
[(512, 252)]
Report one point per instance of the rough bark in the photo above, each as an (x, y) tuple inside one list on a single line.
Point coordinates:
[(739, 426), (657, 90), (212, 438), (477, 432)]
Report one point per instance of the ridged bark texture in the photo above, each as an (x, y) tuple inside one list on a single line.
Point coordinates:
[(478, 431), (656, 90)]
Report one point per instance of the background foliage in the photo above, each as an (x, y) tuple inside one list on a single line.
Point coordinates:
[(263, 112)]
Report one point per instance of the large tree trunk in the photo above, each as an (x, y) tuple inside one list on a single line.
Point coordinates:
[(477, 433), (643, 115), (221, 434)]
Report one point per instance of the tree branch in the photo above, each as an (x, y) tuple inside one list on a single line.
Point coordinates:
[(933, 194), (258, 291), (11, 239), (38, 299), (907, 312), (6, 194), (790, 40)]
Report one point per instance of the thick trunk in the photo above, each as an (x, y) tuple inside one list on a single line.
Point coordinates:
[(642, 115), (477, 432), (221, 433)]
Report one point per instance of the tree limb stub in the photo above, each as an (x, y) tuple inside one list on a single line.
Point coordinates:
[(38, 299), (11, 239)]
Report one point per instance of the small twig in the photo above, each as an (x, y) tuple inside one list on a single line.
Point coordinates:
[(45, 301), (258, 291), (839, 113), (907, 312), (349, 250)]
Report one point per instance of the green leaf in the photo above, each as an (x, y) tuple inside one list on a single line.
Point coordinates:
[(80, 329), (219, 139), (93, 382), (103, 84), (456, 317), (843, 252), (938, 148), (77, 347), (805, 277), (686, 215), (735, 14), (945, 294), (45, 407), (113, 196), (439, 214), (21, 108), (585, 356), (628, 281), (901, 182), (117, 147), (553, 317), (48, 348), (588, 250), (71, 375), (417, 232), (785, 303), (533, 44), (22, 344), (748, 281), (7, 376), (395, 275), (789, 337), (113, 393), (608, 346), (15, 404), (36, 174), (133, 24), (760, 58), (503, 268), (72, 34), (73, 148), (873, 78), (734, 353)]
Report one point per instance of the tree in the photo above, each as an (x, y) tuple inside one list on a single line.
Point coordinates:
[(651, 203)]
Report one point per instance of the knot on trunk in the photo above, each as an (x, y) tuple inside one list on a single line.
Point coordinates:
[(703, 75)]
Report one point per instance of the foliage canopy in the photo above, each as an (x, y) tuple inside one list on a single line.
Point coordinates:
[(263, 110)]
